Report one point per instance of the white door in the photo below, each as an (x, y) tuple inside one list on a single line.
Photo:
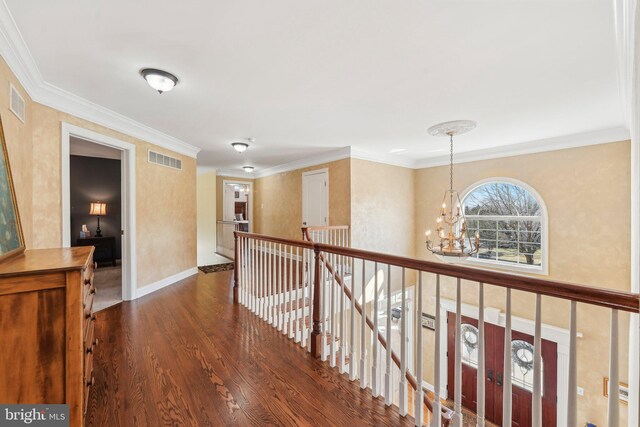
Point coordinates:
[(315, 198)]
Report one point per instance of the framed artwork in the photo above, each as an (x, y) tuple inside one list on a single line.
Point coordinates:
[(624, 390), (11, 237)]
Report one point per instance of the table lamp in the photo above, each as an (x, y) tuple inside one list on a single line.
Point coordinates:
[(98, 208)]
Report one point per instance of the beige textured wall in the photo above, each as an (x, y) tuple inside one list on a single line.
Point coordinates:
[(382, 207), (207, 201), (587, 193), (166, 198), (278, 200)]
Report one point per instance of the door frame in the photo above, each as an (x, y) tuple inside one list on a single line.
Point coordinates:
[(128, 198), (315, 172), (250, 197), (494, 316)]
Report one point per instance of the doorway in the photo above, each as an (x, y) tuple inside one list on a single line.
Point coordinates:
[(237, 215), (95, 184), (522, 371), (113, 203), (315, 198)]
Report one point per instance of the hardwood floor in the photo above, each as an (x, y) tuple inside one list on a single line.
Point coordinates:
[(187, 356)]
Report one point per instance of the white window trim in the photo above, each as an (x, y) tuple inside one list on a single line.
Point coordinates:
[(543, 269)]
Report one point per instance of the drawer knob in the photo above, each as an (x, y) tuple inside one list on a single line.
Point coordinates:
[(87, 281), (92, 291), (90, 350)]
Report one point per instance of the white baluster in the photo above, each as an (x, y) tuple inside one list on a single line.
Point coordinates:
[(418, 411), (325, 294), (403, 351), (291, 282), (253, 272), (332, 312), (506, 387), (312, 276), (614, 378), (352, 327), (272, 291), (437, 405), (260, 277), (572, 398), (269, 266), (305, 273), (250, 271), (536, 415), (243, 271), (480, 407), (363, 329), (299, 317), (388, 387), (282, 281), (458, 355), (343, 335), (374, 337)]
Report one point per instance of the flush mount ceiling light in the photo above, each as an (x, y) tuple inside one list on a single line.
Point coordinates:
[(159, 80), (248, 169), (240, 147)]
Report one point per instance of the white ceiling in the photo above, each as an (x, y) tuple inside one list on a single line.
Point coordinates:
[(308, 77)]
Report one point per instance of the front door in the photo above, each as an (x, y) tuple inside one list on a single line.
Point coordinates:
[(521, 366)]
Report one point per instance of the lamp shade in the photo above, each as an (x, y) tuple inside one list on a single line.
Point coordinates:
[(98, 208)]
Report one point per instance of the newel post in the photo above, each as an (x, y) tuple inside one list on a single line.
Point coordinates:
[(236, 267), (316, 334)]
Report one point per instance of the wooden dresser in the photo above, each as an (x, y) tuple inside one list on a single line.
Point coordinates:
[(46, 328)]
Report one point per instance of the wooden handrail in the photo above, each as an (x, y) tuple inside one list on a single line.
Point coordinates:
[(603, 297), (609, 298)]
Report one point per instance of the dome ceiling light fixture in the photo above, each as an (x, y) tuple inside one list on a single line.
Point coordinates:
[(240, 147), (161, 81), (248, 169), (451, 226)]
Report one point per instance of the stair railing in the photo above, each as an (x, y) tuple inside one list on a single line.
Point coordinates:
[(329, 273)]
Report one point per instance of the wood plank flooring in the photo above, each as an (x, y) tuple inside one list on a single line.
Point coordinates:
[(187, 356)]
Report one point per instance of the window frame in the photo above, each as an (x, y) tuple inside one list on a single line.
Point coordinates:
[(543, 269)]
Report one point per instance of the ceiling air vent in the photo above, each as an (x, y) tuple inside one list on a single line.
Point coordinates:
[(16, 102), (161, 159)]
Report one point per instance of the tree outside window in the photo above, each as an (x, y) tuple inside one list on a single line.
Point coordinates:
[(508, 219)]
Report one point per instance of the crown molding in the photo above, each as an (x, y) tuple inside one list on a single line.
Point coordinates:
[(318, 159), (16, 53), (603, 136), (235, 174), (388, 159)]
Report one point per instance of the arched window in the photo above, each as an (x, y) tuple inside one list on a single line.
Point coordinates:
[(511, 221)]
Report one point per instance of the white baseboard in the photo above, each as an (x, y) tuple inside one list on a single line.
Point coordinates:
[(152, 287)]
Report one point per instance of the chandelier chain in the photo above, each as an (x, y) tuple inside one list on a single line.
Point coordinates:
[(451, 163)]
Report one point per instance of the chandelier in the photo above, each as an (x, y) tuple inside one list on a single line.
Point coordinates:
[(451, 226)]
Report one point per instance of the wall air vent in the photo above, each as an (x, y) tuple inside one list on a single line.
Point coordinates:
[(161, 159), (16, 102)]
